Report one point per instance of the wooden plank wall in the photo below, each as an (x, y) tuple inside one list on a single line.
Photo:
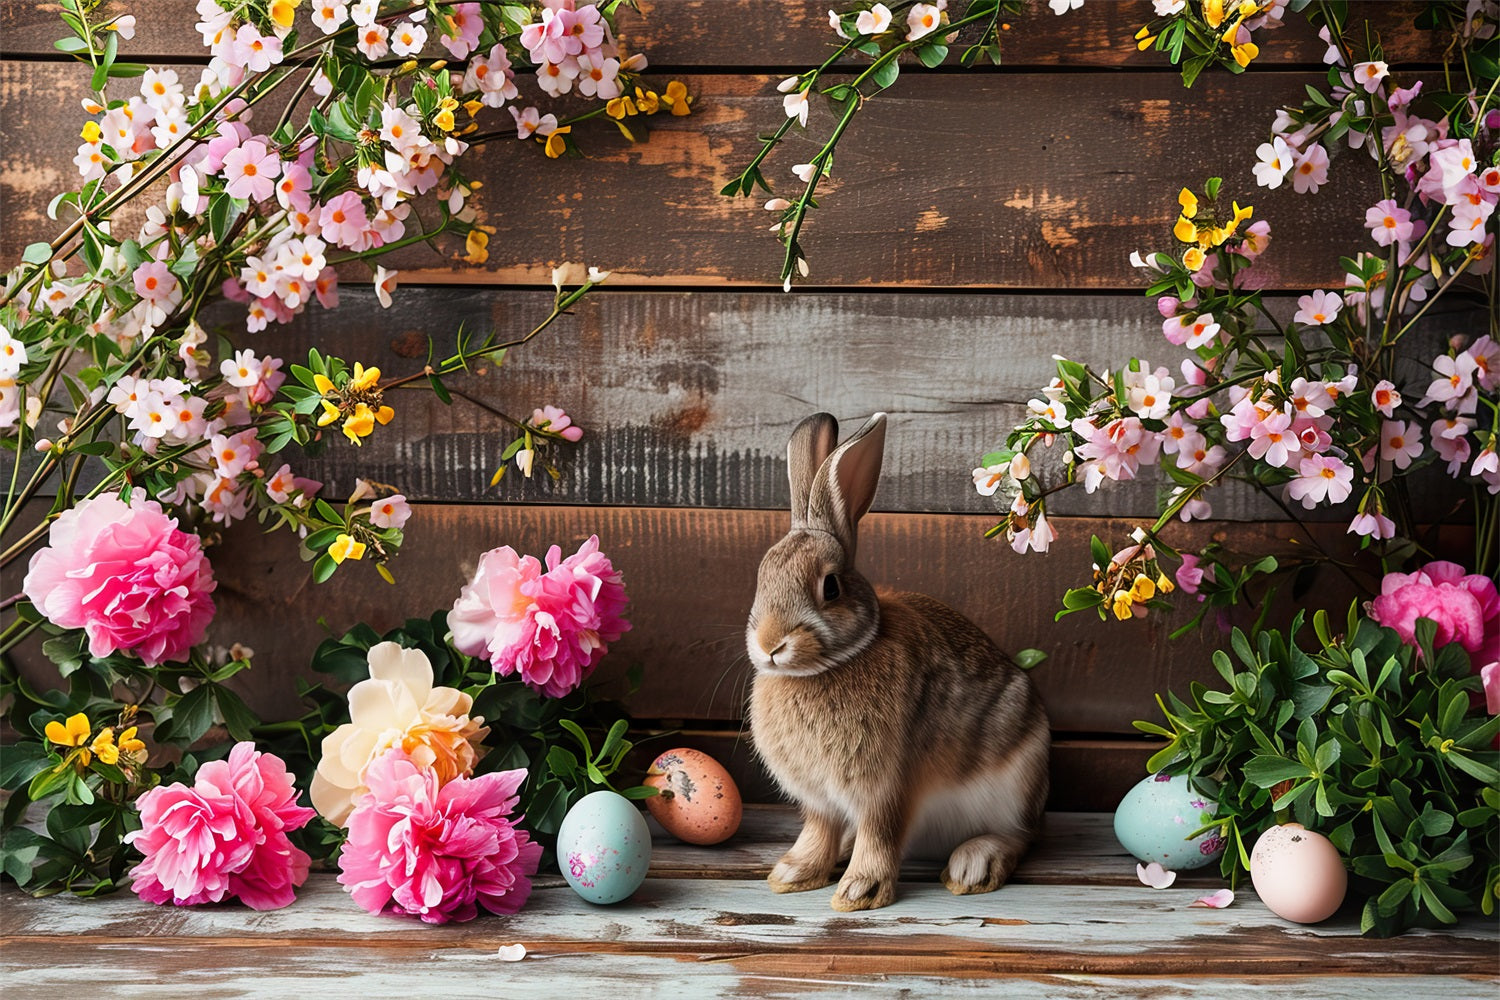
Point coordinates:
[(978, 222)]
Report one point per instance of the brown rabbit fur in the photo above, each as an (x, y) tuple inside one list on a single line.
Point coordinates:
[(894, 722)]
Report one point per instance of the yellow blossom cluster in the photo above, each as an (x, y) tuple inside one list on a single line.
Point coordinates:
[(1202, 229), (1131, 580), (357, 404), (675, 99), (75, 732)]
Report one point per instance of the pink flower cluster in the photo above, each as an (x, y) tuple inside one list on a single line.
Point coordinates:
[(1464, 606), (126, 575), (551, 628), (1441, 170), (226, 836), (573, 47), (166, 411), (434, 850)]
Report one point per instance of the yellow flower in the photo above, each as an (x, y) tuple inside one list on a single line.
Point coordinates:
[(385, 415), (345, 547), (557, 144), (1122, 604), (648, 101), (477, 244), (73, 733), (284, 11), (619, 107), (364, 378), (1243, 54), (1164, 585), (677, 98), (448, 103), (1213, 12), (1142, 590), (128, 743), (359, 424), (323, 384), (443, 120), (90, 133), (330, 414), (1185, 231), (1144, 43), (1240, 215), (473, 108), (1194, 258), (104, 746), (1189, 203)]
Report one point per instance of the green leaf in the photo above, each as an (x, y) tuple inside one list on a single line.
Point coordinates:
[(886, 74), (323, 568), (192, 715), (932, 55), (22, 762), (70, 45), (1263, 771), (639, 792), (1028, 659), (37, 253)]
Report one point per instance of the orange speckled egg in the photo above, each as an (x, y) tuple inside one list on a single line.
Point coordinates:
[(699, 802)]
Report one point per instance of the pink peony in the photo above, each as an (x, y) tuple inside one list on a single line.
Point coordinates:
[(437, 851), (127, 576), (225, 836), (551, 628), (1466, 608)]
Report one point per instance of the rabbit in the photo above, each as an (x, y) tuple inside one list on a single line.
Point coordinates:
[(894, 722)]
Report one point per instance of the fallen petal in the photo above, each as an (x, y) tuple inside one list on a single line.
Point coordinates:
[(1216, 900), (512, 952), (1155, 875)]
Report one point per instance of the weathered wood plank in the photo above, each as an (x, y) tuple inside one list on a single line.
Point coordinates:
[(36, 970), (1024, 180), (688, 397), (1077, 849), (1088, 775), (713, 33), (1019, 930), (691, 577)]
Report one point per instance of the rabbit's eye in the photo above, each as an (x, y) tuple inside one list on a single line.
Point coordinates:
[(830, 587)]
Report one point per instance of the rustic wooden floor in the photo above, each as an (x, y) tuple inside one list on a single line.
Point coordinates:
[(1073, 923)]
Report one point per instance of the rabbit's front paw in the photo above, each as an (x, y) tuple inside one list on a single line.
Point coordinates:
[(864, 891), (793, 874)]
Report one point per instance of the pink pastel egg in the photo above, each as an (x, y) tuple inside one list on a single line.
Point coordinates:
[(1298, 873), (699, 802)]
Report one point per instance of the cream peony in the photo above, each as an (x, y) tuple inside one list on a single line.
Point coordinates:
[(397, 707)]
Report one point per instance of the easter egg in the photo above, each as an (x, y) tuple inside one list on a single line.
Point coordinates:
[(604, 847), (699, 802), (1154, 819), (1298, 873)]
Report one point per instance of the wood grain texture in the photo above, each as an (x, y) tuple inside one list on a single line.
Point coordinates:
[(1088, 775), (691, 577), (791, 35), (1075, 849), (1024, 180), (688, 397), (35, 971), (1019, 930)]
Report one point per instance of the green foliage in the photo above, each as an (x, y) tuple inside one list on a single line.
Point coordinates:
[(1385, 749)]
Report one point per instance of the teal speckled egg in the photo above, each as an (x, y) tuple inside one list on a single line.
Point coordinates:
[(604, 847), (1156, 815)]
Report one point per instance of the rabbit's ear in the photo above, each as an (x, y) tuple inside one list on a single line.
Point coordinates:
[(845, 485), (810, 445)]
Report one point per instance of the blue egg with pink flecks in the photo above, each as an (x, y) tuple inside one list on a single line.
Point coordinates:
[(1156, 817), (604, 847)]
